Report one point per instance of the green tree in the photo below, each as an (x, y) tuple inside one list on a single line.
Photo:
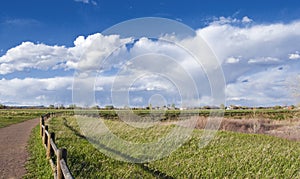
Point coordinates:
[(277, 107), (222, 106), (2, 106), (96, 107), (72, 106), (109, 107)]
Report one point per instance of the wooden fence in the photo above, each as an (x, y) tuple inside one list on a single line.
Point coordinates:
[(60, 169)]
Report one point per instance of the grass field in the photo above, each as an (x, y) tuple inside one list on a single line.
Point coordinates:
[(13, 116), (231, 155)]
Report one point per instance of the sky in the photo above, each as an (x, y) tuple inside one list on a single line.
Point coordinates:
[(46, 44)]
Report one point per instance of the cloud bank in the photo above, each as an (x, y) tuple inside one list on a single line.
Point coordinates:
[(259, 62)]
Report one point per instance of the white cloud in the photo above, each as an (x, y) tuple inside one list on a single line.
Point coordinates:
[(223, 20), (44, 57), (271, 40), (263, 88), (138, 100), (94, 3), (87, 2), (294, 56), (264, 60), (258, 48), (246, 19), (83, 1), (22, 22), (254, 59), (30, 55), (230, 20), (232, 60), (34, 91), (90, 52)]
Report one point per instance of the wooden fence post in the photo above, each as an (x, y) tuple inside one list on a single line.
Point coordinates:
[(49, 148), (44, 134), (61, 154), (61, 169), (42, 122)]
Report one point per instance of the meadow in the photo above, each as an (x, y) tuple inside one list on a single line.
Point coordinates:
[(13, 116), (228, 155)]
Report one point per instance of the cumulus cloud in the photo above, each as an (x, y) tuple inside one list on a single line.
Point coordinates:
[(271, 40), (35, 91), (44, 57), (30, 55), (263, 88), (155, 67), (90, 52), (258, 47), (256, 60), (246, 19)]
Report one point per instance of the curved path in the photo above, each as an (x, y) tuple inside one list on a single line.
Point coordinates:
[(13, 153)]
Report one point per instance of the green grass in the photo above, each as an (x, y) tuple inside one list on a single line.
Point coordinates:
[(13, 116), (37, 166), (234, 155), (231, 155), (84, 160)]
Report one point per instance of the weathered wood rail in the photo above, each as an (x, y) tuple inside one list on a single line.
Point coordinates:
[(59, 167)]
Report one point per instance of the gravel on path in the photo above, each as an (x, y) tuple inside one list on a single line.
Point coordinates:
[(13, 152)]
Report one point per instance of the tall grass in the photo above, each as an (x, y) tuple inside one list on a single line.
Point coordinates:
[(229, 154)]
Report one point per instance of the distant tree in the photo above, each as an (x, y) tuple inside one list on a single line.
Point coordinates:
[(51, 106), (2, 106), (72, 106), (61, 106), (234, 107), (109, 107), (206, 107), (222, 106), (277, 107), (96, 107)]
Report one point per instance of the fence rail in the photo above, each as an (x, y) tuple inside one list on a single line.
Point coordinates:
[(59, 168)]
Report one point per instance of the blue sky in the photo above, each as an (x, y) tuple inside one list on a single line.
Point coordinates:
[(61, 21), (256, 42)]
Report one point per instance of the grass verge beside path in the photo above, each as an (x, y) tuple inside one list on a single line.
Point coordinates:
[(37, 166)]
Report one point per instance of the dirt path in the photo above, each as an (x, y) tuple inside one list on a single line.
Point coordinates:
[(13, 154)]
